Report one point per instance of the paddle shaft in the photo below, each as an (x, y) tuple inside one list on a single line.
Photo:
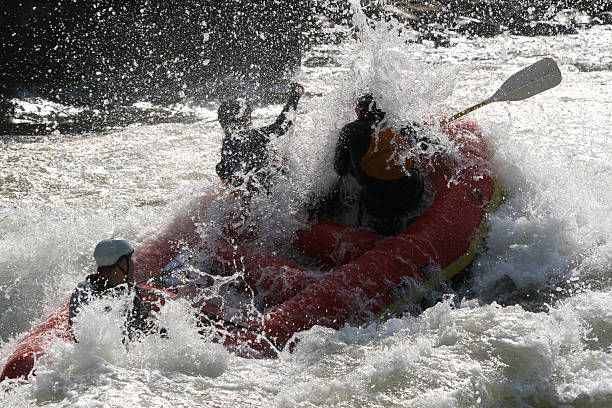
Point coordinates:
[(463, 112)]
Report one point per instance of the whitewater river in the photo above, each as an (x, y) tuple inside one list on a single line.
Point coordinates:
[(532, 328)]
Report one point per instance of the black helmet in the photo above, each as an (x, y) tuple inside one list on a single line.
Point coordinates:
[(234, 111), (366, 108)]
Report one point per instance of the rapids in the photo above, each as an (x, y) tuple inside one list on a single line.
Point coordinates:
[(531, 327)]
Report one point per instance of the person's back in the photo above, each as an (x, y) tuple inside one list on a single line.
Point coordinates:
[(245, 158), (372, 152), (91, 288), (113, 279)]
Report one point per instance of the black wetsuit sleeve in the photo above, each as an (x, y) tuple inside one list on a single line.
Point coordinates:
[(81, 296), (282, 123), (342, 158)]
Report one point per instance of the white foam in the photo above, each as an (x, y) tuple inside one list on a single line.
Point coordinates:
[(62, 194)]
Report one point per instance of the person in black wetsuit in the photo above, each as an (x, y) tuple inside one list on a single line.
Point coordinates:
[(113, 279), (245, 159), (375, 155)]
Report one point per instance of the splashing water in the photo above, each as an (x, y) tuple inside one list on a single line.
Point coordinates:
[(534, 330)]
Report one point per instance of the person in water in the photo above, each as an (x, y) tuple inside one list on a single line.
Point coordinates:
[(245, 159), (376, 156), (114, 278)]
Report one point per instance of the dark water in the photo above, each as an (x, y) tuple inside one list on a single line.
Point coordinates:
[(105, 57)]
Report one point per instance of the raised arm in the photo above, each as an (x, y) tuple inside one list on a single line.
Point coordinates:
[(282, 123)]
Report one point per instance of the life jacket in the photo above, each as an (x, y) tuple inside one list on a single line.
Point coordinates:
[(382, 160)]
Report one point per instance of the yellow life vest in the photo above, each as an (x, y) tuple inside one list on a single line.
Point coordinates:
[(382, 160)]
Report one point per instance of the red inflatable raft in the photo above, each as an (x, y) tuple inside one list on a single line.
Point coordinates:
[(368, 274)]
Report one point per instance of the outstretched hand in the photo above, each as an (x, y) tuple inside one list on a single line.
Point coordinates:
[(296, 90)]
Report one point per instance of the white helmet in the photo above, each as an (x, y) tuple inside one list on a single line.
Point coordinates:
[(109, 251)]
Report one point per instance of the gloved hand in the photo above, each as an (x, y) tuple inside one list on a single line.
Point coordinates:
[(296, 90)]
